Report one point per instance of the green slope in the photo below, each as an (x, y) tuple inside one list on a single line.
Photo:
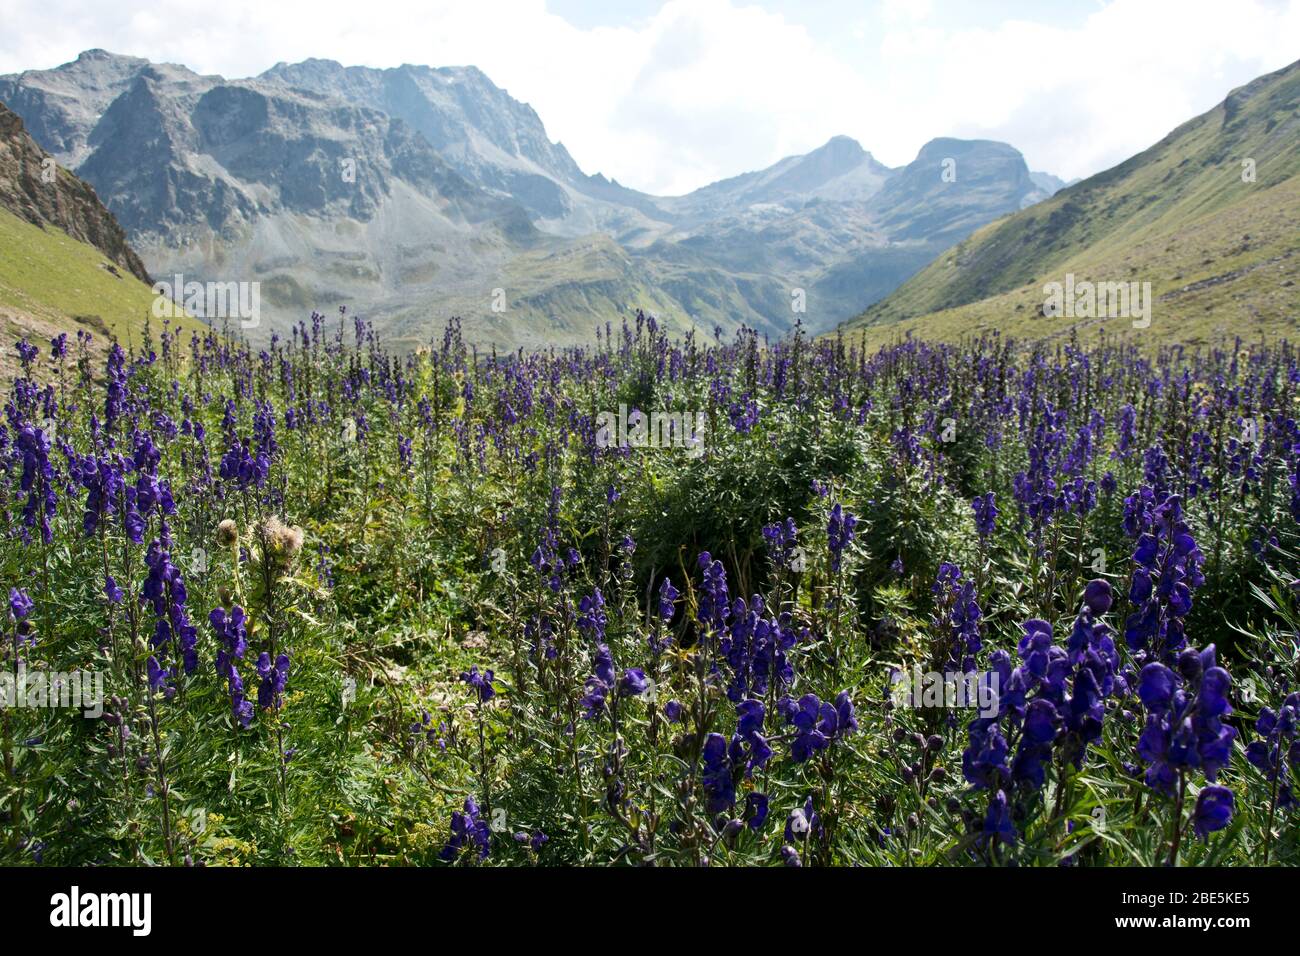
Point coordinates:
[(51, 283), (1220, 253)]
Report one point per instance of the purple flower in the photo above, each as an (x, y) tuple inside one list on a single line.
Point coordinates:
[(633, 682), (839, 531), (274, 678), (1214, 806), (111, 590), (668, 596), (986, 513), (481, 684), (159, 677), (20, 605), (467, 828)]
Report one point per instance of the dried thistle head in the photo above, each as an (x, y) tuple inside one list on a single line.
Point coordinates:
[(227, 534), (281, 542)]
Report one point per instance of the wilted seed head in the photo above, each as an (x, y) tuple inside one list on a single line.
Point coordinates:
[(282, 541), (227, 534), (227, 599)]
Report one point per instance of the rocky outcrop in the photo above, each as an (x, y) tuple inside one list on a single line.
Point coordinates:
[(35, 188)]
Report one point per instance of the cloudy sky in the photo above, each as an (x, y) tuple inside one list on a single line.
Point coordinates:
[(668, 96)]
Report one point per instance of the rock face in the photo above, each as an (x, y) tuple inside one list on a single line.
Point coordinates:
[(952, 188), (420, 192), (35, 188)]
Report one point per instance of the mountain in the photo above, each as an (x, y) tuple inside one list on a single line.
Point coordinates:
[(952, 187), (456, 201), (65, 264), (33, 187), (1207, 216), (841, 169)]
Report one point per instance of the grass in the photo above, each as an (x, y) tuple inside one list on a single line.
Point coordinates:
[(50, 282), (1174, 215)]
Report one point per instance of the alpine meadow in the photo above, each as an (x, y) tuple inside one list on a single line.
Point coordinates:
[(380, 489)]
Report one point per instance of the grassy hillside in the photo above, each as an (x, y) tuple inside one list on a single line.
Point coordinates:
[(1218, 251), (51, 283)]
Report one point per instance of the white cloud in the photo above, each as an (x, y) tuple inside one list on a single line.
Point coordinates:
[(710, 88)]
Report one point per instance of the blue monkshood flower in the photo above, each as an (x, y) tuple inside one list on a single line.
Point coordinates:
[(668, 596), (958, 615), (755, 648), (599, 684), (243, 469), (755, 810), (20, 605), (782, 538), (804, 823), (1214, 806), (240, 706), (1098, 596), (717, 777), (714, 606), (805, 715), (274, 678), (535, 840), (116, 395), (1167, 570), (1278, 747), (467, 828), (159, 677), (480, 684), (817, 723), (27, 353), (674, 711), (591, 616), (164, 589), (748, 745), (790, 856), (231, 629), (986, 514), (997, 821), (32, 450), (1184, 730), (112, 591), (839, 531), (105, 487), (750, 717), (633, 683), (1053, 702)]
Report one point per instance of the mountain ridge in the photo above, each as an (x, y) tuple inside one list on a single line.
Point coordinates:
[(1172, 214), (240, 178), (37, 190)]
